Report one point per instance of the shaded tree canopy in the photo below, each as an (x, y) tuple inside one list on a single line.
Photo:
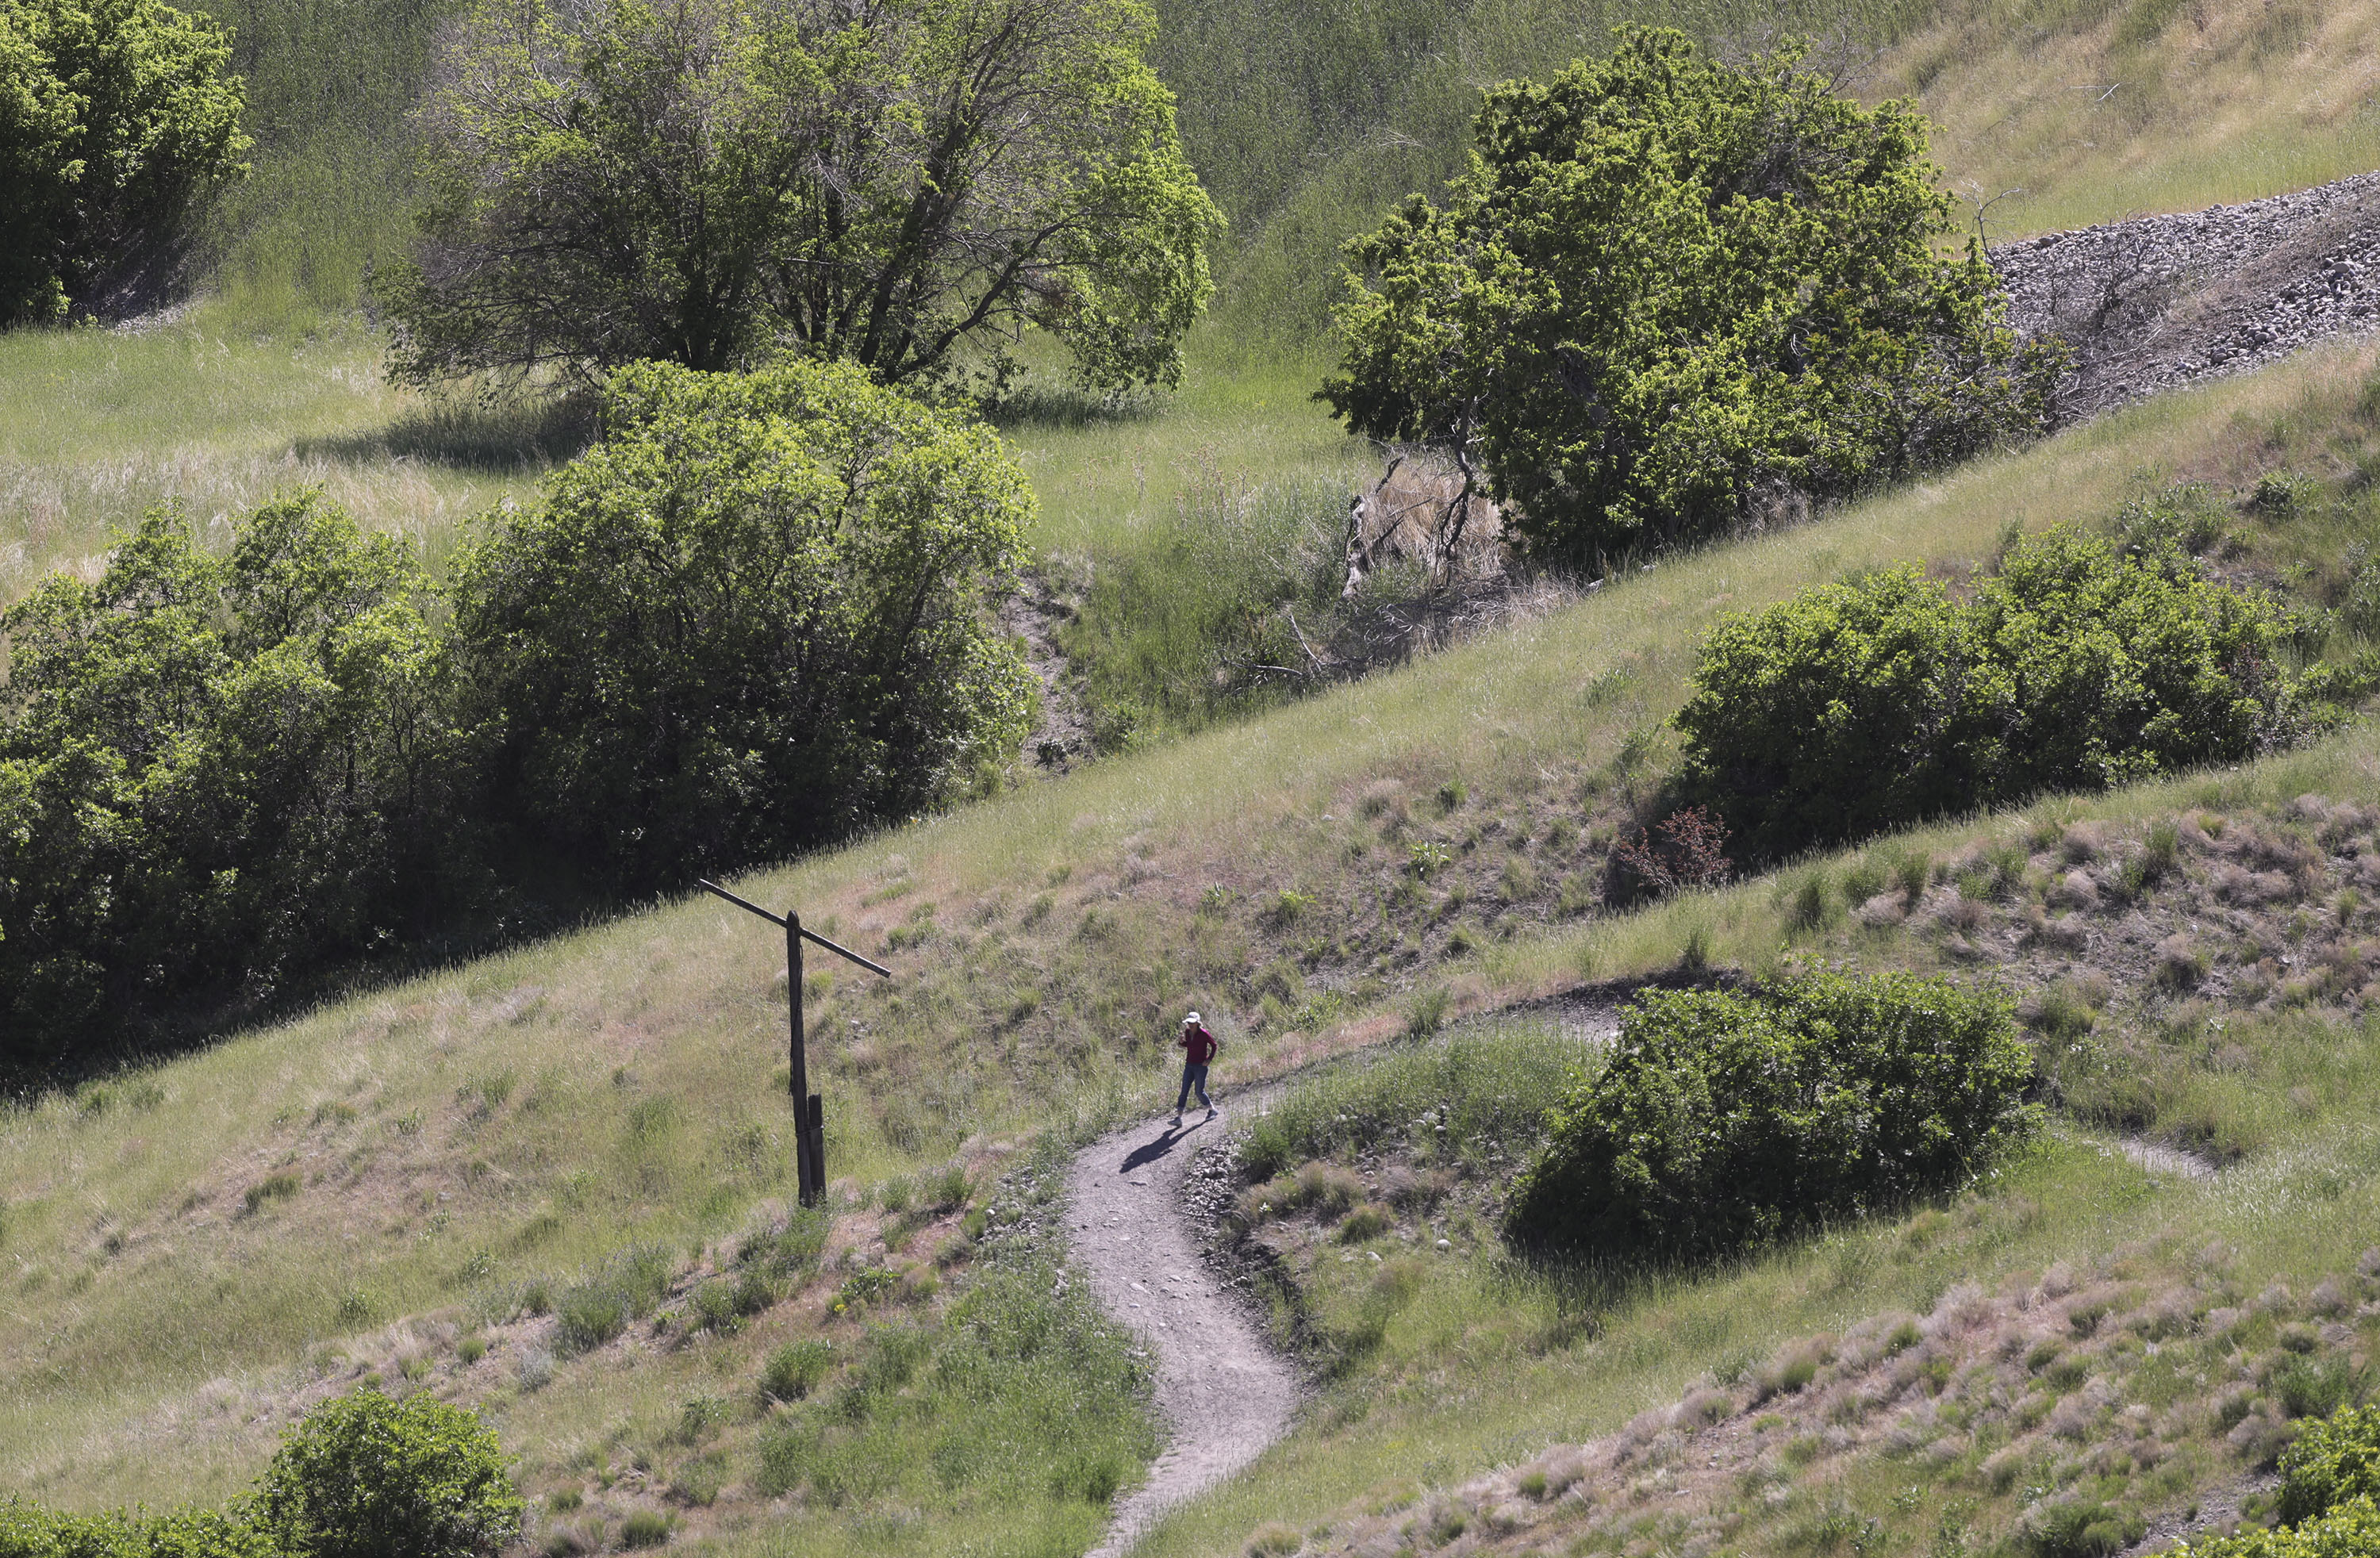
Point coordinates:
[(910, 184), (756, 616), (1670, 292), (214, 773), (117, 118)]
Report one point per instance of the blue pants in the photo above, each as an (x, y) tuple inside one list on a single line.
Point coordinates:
[(1193, 1075)]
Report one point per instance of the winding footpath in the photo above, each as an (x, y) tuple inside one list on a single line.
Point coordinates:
[(1225, 1395)]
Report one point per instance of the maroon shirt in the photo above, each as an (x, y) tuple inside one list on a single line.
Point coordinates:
[(1200, 1045)]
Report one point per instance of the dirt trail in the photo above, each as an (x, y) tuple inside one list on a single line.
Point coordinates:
[(1225, 1395)]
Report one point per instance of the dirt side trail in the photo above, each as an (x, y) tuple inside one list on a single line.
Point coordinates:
[(1224, 1394)]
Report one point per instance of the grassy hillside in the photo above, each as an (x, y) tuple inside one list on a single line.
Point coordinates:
[(1305, 120), (97, 426), (450, 1183), (2152, 106), (447, 1161), (2093, 109)]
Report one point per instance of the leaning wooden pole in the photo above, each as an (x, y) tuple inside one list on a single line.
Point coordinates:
[(809, 1109)]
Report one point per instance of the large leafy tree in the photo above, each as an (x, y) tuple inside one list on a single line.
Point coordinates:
[(117, 118), (906, 184), (755, 616), (1672, 295)]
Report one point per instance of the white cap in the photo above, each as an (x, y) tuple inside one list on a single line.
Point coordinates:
[(1190, 1021)]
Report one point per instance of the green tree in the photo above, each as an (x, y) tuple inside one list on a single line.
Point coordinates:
[(1671, 296), (755, 616), (214, 773), (910, 187), (365, 1477), (117, 118)]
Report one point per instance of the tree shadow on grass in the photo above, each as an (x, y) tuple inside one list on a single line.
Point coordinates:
[(508, 436)]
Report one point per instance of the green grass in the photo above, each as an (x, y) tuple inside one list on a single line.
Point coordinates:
[(1072, 918), (97, 426), (2150, 105), (330, 83), (1485, 1364), (1487, 1086)]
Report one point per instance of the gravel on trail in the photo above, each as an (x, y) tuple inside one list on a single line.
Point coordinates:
[(1224, 1394)]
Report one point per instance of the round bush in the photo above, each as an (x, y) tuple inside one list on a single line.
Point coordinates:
[(1727, 1118), (365, 1477), (118, 117), (1827, 716), (1858, 707)]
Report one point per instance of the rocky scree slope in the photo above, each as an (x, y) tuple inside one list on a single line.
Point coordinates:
[(2157, 302)]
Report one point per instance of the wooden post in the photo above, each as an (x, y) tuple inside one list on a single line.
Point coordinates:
[(809, 1109), (817, 1113), (808, 1161)]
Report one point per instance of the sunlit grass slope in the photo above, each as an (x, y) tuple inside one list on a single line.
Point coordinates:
[(1108, 481), (97, 426), (520, 1118), (1483, 1363), (2095, 110)]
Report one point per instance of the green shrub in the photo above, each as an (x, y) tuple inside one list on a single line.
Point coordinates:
[(271, 1187), (1859, 707), (1823, 717), (2081, 1528), (792, 1250), (947, 1189), (2306, 1388), (2351, 1529), (714, 1307), (1728, 1118), (30, 1531), (365, 1477), (643, 1528), (120, 117), (588, 1316), (296, 673), (839, 545), (597, 1310), (2329, 1463), (2186, 517), (794, 1370)]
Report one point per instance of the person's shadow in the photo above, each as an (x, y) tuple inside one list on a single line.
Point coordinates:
[(1149, 1151)]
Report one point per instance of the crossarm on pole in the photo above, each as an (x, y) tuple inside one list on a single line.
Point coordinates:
[(745, 903), (807, 934)]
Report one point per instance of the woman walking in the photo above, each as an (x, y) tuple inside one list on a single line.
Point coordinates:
[(1199, 1048)]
